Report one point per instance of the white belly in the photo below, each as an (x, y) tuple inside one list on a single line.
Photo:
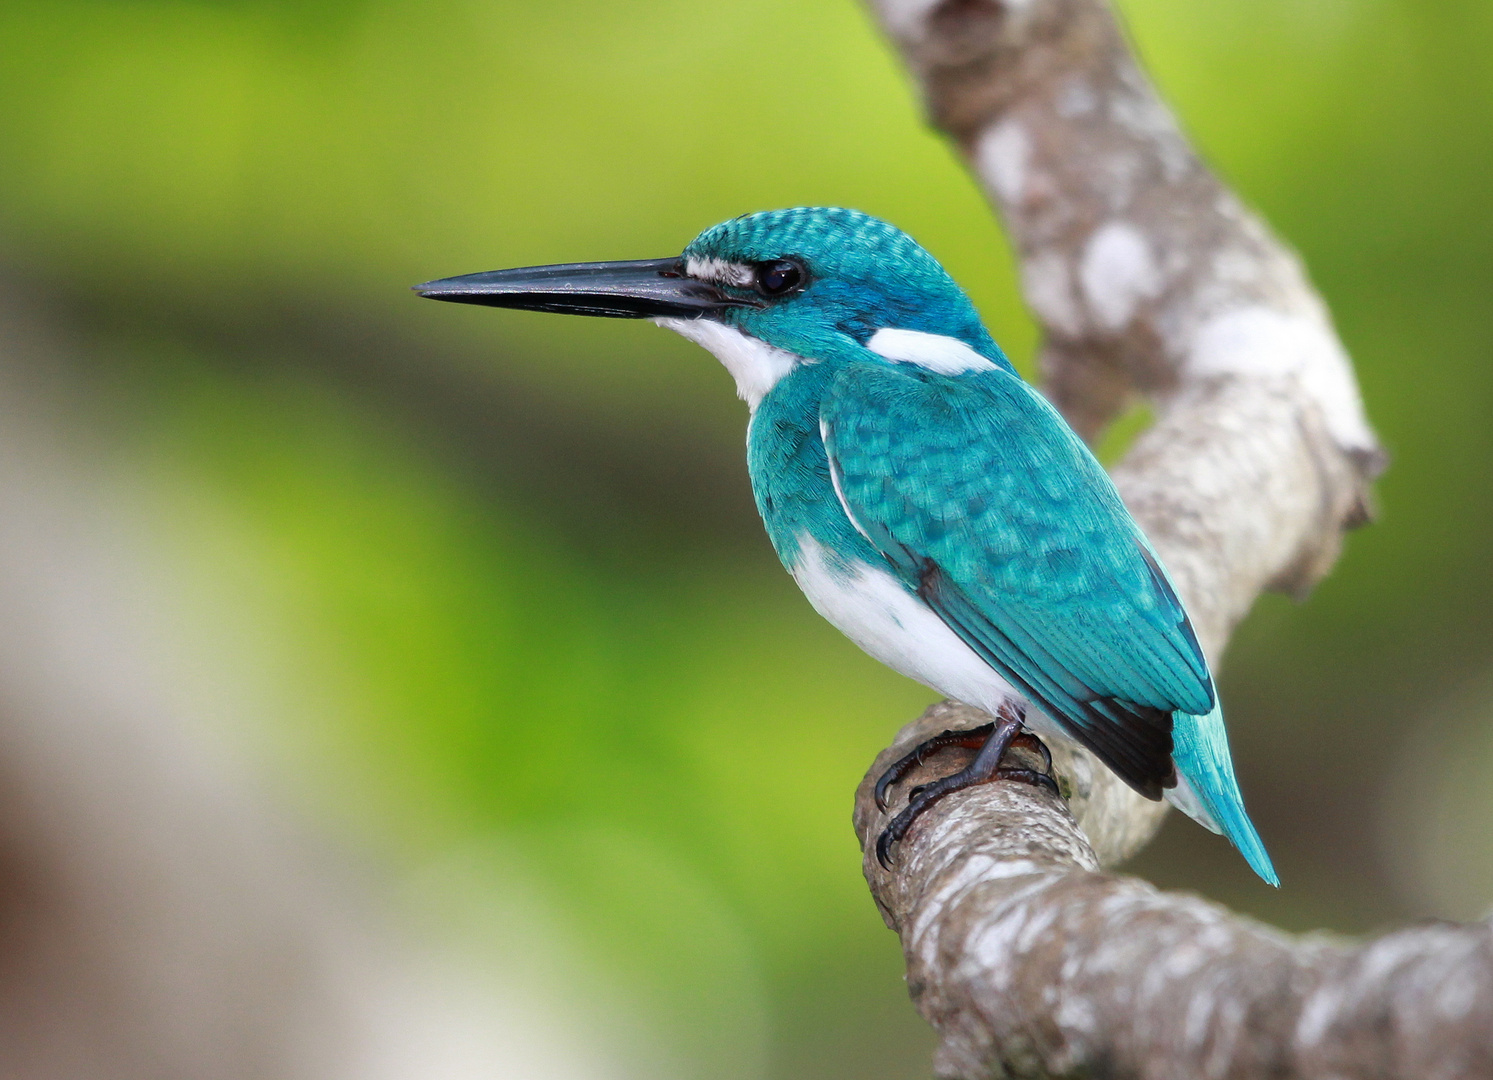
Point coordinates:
[(873, 610)]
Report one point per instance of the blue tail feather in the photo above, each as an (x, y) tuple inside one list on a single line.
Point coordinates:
[(1200, 749)]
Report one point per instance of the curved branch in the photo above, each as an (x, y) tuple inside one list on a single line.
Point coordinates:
[(1031, 962), (1149, 278)]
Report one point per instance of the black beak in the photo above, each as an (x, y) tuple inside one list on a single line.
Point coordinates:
[(646, 288)]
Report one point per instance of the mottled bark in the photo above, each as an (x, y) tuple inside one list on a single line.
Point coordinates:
[(1031, 961), (1150, 279)]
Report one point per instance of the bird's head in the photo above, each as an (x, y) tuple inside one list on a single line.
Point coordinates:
[(768, 291)]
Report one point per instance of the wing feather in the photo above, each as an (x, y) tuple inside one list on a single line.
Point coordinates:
[(983, 500)]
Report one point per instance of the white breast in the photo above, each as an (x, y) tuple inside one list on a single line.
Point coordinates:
[(873, 610)]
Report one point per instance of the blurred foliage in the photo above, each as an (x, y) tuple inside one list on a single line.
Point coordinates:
[(484, 592)]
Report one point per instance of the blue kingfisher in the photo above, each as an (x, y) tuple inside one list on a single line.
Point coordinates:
[(929, 503)]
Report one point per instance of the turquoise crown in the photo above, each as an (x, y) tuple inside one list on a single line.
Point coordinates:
[(865, 275)]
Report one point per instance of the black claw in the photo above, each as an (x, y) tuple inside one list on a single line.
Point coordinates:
[(973, 738), (926, 796), (996, 739)]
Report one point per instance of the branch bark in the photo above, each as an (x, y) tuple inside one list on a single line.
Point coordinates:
[(1152, 280), (1031, 962)]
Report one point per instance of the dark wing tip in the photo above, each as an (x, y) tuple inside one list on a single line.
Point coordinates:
[(1135, 741)]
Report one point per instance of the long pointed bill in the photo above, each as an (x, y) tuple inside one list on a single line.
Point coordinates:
[(643, 289)]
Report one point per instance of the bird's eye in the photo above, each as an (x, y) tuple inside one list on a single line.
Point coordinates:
[(779, 276)]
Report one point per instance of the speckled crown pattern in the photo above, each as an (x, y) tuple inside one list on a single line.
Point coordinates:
[(866, 273), (825, 234)]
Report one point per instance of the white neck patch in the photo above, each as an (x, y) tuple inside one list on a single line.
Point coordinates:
[(753, 363), (935, 352)]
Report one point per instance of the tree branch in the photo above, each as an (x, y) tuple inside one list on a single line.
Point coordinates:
[(1149, 278), (1031, 962)]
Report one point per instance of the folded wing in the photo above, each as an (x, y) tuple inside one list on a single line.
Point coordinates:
[(985, 502)]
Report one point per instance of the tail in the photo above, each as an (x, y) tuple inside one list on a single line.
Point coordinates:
[(1206, 790)]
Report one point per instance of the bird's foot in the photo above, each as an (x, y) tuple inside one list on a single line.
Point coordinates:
[(969, 738), (991, 740)]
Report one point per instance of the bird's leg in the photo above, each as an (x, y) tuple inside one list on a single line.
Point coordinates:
[(993, 740)]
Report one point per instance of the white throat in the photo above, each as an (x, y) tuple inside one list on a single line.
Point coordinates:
[(753, 363)]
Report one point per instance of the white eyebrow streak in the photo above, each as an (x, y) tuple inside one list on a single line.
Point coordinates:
[(936, 352), (720, 272)]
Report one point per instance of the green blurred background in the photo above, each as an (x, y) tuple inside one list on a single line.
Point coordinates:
[(482, 596)]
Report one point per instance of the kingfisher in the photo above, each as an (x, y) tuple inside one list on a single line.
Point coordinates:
[(930, 503)]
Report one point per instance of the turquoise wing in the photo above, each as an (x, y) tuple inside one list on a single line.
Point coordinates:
[(988, 506)]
